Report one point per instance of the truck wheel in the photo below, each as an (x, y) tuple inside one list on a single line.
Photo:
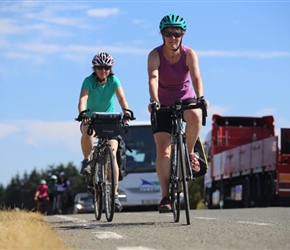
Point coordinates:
[(269, 189), (246, 194), (222, 196), (256, 190)]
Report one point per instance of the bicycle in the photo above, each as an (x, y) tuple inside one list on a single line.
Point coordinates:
[(180, 168), (102, 181), (42, 204)]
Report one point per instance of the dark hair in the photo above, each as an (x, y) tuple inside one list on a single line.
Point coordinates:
[(98, 79), (166, 29)]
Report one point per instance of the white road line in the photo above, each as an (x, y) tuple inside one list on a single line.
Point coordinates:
[(206, 218), (107, 235), (135, 248), (254, 223), (85, 224), (71, 219)]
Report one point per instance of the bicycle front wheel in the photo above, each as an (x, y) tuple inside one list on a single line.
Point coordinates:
[(97, 194), (174, 184), (109, 183), (184, 177)]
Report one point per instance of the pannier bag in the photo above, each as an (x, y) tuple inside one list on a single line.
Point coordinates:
[(198, 148), (107, 124), (121, 157)]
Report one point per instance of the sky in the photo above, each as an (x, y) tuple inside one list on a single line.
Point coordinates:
[(46, 48)]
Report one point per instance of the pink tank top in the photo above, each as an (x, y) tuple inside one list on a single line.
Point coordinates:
[(174, 80)]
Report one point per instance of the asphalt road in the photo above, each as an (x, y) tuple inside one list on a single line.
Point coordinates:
[(255, 228)]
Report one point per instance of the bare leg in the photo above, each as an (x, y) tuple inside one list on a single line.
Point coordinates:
[(87, 142), (193, 127), (163, 147), (114, 146), (37, 206)]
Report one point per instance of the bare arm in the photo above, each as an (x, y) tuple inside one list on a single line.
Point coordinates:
[(83, 100), (153, 63), (192, 64), (122, 99), (36, 194)]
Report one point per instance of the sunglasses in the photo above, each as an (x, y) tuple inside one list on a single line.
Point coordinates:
[(171, 34), (103, 67)]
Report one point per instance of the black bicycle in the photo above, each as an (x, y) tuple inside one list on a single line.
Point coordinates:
[(181, 171), (102, 181)]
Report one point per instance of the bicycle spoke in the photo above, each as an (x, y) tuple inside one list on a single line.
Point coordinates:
[(184, 178), (109, 182), (97, 194), (174, 193)]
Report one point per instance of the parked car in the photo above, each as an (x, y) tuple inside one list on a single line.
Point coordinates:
[(83, 203)]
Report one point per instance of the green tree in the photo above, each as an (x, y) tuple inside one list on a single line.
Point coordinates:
[(2, 193), (20, 191)]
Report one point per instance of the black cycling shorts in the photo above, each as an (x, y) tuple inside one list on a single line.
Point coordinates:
[(164, 120), (110, 138)]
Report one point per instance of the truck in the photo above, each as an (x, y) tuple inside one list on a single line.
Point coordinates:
[(248, 165)]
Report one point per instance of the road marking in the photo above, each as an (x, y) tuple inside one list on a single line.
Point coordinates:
[(206, 218), (107, 235), (135, 248), (83, 223), (254, 223), (71, 219)]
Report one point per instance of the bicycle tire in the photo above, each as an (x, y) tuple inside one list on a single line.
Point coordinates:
[(184, 177), (174, 194), (109, 183), (97, 194)]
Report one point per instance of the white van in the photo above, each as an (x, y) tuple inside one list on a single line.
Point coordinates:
[(140, 186)]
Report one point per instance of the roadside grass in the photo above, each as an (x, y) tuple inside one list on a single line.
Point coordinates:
[(27, 230)]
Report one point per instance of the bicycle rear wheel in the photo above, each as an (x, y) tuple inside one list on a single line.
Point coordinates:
[(174, 183), (184, 177), (109, 183), (97, 194)]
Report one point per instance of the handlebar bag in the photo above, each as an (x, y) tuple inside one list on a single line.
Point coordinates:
[(107, 124)]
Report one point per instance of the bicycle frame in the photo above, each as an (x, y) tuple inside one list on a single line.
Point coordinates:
[(99, 181), (180, 169)]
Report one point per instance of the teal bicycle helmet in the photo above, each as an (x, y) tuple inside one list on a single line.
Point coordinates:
[(172, 20)]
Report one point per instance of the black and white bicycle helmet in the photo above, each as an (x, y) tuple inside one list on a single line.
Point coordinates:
[(103, 59), (62, 174)]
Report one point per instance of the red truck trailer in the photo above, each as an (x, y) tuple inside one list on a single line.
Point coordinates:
[(246, 165)]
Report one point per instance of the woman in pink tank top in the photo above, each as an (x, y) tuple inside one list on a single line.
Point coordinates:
[(174, 74)]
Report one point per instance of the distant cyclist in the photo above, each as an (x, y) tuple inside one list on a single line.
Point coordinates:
[(41, 196), (63, 190), (172, 68), (52, 193), (98, 94)]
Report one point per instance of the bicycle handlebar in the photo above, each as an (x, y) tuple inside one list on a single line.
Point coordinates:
[(178, 107), (125, 116), (79, 119)]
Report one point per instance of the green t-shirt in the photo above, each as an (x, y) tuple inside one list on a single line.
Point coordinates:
[(101, 98)]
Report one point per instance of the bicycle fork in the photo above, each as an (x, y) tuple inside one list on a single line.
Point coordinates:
[(175, 177)]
